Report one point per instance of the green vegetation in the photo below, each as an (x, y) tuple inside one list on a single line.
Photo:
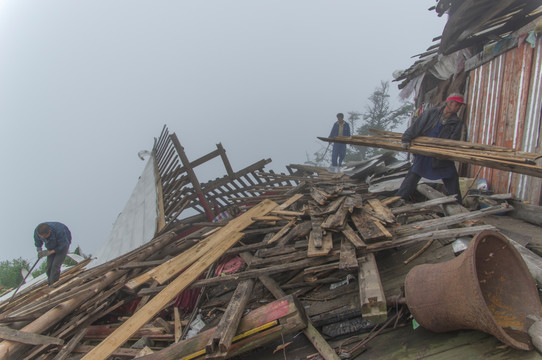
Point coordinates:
[(11, 272)]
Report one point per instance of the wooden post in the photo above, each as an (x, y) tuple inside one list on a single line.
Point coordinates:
[(192, 177), (371, 292), (227, 326), (225, 160)]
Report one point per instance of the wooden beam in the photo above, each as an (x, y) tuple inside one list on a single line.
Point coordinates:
[(225, 330), (371, 292), (29, 338)]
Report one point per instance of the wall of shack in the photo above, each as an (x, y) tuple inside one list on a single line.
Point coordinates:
[(504, 108)]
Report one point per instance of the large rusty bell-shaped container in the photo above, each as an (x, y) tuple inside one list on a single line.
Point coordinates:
[(488, 287)]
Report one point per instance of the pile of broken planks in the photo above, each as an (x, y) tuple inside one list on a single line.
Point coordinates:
[(309, 264)]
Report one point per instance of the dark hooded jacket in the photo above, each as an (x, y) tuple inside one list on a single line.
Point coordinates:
[(451, 129)]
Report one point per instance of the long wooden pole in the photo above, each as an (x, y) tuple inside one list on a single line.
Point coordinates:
[(500, 160)]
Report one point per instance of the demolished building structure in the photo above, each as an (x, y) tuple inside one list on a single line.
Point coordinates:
[(253, 259)]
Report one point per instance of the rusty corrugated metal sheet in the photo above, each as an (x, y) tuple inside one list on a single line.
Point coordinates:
[(504, 97)]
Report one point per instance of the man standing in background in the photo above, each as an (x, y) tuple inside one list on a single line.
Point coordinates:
[(340, 128), (57, 239)]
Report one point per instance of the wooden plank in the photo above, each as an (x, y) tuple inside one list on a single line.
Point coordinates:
[(383, 211), (67, 349), (83, 349), (289, 202), (430, 193), (178, 328), (279, 259), (354, 202), (369, 229), (300, 230), (327, 245), (351, 235), (336, 220), (282, 232), (29, 338), (424, 204), (333, 206), (316, 232), (390, 200), (319, 196), (287, 213), (227, 327), (347, 259), (222, 243), (159, 322), (371, 292)]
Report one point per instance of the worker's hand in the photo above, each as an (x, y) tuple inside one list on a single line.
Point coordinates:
[(405, 145), (43, 253)]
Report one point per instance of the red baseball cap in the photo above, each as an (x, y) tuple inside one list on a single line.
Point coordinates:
[(457, 98)]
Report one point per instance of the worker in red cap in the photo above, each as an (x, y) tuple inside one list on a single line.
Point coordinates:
[(439, 122)]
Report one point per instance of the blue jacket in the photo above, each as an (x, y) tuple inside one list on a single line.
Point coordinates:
[(59, 239), (335, 130)]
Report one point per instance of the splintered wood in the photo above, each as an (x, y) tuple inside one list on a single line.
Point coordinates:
[(309, 262)]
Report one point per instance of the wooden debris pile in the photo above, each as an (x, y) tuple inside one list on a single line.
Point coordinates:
[(219, 289)]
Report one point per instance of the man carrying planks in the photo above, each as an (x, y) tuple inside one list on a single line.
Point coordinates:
[(439, 122)]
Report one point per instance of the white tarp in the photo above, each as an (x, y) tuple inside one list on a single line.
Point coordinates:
[(136, 224)]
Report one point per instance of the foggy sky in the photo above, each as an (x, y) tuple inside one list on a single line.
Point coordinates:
[(86, 85)]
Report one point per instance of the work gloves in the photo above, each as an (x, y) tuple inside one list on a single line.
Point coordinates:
[(42, 253), (405, 145)]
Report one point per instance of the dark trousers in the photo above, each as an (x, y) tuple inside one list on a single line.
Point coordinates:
[(54, 262), (411, 181), (338, 152)]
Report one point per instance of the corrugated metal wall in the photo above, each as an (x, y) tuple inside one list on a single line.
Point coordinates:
[(504, 108)]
